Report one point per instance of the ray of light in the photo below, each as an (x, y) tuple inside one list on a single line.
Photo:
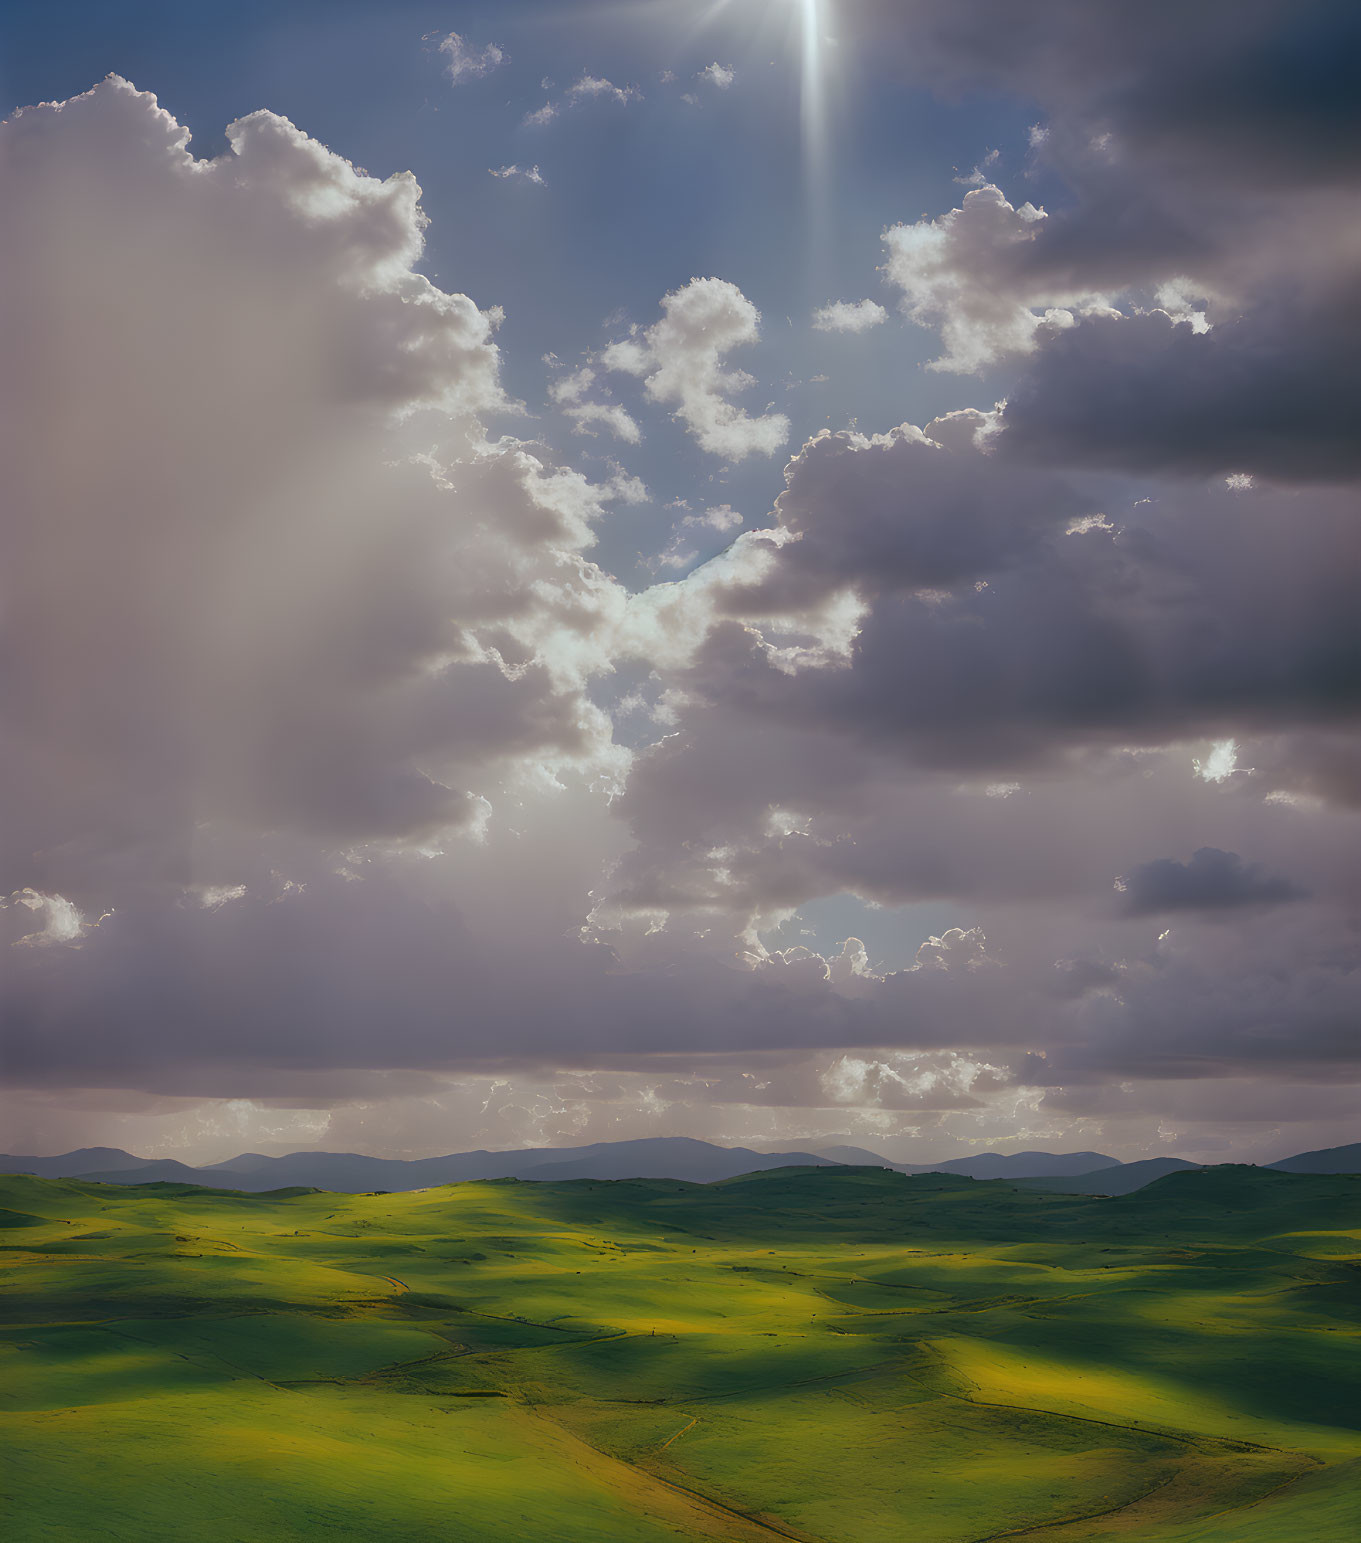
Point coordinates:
[(813, 107)]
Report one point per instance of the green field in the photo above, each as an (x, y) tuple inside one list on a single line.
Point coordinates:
[(848, 1355)]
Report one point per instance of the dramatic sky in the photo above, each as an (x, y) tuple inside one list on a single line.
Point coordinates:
[(776, 570)]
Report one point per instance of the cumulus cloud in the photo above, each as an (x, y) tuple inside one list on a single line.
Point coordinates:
[(967, 273), (1189, 306), (957, 749), (849, 316), (1273, 391), (681, 359), (1004, 622), (265, 572)]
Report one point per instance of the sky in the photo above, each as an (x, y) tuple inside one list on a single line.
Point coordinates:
[(782, 571)]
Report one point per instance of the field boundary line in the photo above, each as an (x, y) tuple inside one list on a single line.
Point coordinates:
[(691, 1494), (678, 1434)]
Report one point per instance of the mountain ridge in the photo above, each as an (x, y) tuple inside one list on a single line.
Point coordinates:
[(658, 1157)]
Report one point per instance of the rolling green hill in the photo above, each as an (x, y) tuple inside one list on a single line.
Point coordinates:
[(846, 1355)]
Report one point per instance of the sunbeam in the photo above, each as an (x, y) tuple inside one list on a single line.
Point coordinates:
[(812, 107)]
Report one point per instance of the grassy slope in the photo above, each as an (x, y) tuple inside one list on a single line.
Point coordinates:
[(839, 1355)]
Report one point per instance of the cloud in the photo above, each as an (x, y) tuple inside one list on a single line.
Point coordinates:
[(939, 677), (969, 274), (1211, 881), (585, 89), (268, 580), (303, 719), (465, 61), (906, 510), (529, 173), (568, 393), (679, 552), (1254, 93), (1274, 391), (607, 415), (720, 76), (1000, 624), (849, 316), (978, 178), (1188, 307), (681, 359), (597, 86)]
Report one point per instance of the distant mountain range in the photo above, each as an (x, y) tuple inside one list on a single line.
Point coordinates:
[(664, 1157), (667, 1157)]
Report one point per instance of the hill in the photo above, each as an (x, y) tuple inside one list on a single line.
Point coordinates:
[(1019, 1165), (856, 1157), (813, 1353), (1120, 1179), (69, 1164), (1327, 1160)]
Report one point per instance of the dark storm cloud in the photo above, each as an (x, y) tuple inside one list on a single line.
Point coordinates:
[(1275, 392), (1318, 765), (1202, 160), (1211, 881), (384, 972), (283, 998), (1210, 611), (1273, 996), (904, 511), (1253, 90)]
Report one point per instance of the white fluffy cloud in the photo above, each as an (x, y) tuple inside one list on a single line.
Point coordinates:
[(263, 571), (849, 316), (681, 358), (967, 273)]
